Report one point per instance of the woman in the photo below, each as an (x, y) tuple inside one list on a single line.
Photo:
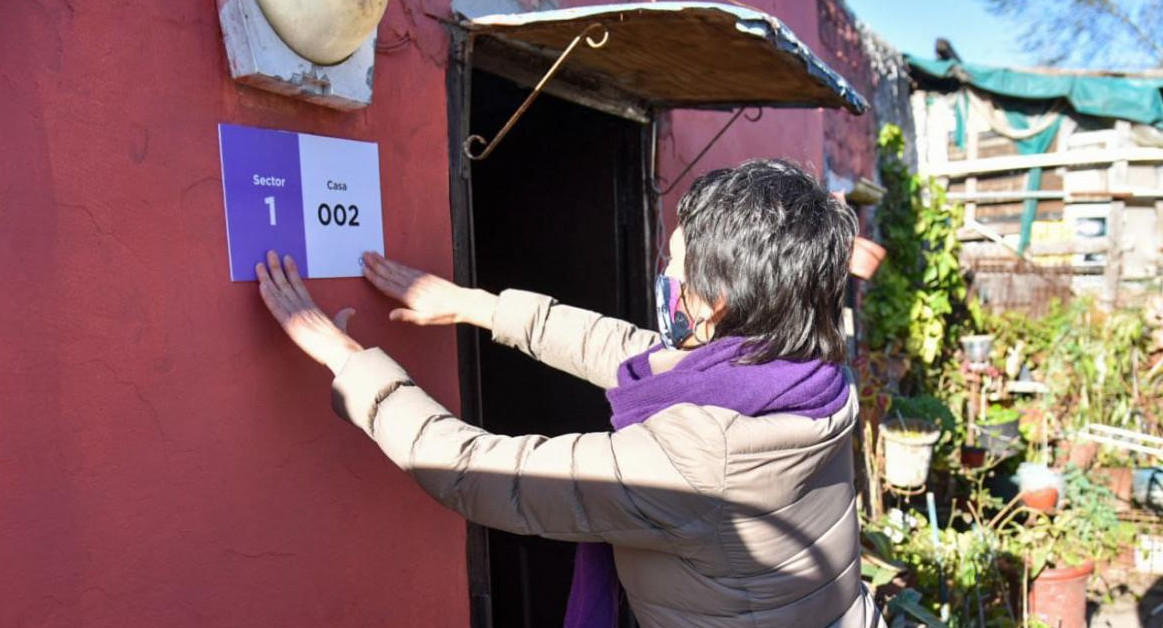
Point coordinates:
[(726, 488)]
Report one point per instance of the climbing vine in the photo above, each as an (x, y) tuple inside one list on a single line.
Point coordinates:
[(916, 306)]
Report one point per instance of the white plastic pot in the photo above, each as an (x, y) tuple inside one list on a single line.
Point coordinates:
[(908, 451)]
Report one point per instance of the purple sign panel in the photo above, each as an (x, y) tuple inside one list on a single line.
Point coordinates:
[(264, 196)]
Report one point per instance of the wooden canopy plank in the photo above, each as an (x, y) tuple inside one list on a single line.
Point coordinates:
[(683, 54)]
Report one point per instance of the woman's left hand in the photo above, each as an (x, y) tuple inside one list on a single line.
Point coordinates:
[(320, 337)]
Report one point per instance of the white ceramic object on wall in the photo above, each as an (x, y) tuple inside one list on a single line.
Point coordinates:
[(263, 58), (324, 32)]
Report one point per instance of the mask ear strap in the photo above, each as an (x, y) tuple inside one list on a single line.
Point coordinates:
[(696, 322), (695, 330)]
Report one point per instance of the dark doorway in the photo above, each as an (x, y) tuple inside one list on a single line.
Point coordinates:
[(558, 208)]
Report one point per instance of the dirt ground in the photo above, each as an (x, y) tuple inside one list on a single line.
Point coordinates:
[(1137, 603)]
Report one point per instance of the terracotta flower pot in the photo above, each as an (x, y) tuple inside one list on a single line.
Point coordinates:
[(1043, 499), (866, 257), (1079, 454), (1058, 596), (1082, 455), (1120, 480)]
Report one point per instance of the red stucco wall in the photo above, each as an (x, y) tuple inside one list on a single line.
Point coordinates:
[(849, 141), (789, 133), (166, 457)]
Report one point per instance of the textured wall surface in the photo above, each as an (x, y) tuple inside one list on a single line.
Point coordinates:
[(849, 141), (796, 134), (167, 458)]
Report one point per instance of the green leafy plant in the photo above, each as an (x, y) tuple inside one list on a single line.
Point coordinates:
[(1094, 364), (916, 304), (908, 604), (999, 415), (925, 407), (1086, 528), (937, 412), (1091, 368), (952, 577)]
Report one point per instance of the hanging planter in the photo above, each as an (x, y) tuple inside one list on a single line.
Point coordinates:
[(977, 349), (908, 451), (998, 433), (1042, 499), (866, 257), (1040, 486)]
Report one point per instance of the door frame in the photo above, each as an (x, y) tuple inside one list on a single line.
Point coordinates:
[(459, 89)]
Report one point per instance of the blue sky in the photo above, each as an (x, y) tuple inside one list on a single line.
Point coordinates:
[(913, 25)]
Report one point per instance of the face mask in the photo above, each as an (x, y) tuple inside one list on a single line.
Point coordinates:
[(673, 323)]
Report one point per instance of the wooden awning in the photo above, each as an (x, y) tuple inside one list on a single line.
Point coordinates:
[(673, 55)]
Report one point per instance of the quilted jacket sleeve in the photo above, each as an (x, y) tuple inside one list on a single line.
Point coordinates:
[(656, 485), (582, 343)]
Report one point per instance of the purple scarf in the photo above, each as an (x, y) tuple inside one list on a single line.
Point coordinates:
[(705, 377)]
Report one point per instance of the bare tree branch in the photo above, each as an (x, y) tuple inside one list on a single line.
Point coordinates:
[(1116, 34)]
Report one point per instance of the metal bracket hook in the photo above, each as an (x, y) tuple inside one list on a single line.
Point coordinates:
[(755, 118), (490, 146)]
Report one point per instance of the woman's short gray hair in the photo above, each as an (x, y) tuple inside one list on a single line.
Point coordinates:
[(775, 245)]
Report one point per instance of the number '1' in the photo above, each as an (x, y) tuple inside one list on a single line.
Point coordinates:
[(270, 201)]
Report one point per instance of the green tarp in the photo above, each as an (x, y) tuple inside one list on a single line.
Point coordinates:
[(1125, 98), (1033, 145)]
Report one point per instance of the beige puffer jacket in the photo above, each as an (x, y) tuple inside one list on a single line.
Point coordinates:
[(717, 519)]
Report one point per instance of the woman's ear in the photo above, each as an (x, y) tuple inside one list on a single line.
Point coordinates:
[(718, 310), (709, 323)]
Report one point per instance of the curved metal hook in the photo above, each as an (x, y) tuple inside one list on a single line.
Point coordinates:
[(475, 139), (490, 146), (605, 35), (758, 114)]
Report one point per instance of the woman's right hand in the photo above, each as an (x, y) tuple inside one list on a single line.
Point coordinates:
[(429, 300)]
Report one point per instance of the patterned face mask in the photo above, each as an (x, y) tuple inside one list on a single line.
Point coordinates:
[(673, 323)]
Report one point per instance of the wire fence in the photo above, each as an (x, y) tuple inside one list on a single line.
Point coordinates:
[(1011, 283)]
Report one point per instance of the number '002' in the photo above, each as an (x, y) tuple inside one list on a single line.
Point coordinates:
[(340, 215)]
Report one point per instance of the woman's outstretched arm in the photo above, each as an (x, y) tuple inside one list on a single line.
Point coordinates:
[(580, 342), (647, 486), (627, 488)]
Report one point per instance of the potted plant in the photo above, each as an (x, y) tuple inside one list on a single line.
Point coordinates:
[(998, 431), (1040, 486), (1080, 454), (973, 457), (977, 349), (1059, 551), (935, 411), (945, 572), (1119, 470), (908, 450)]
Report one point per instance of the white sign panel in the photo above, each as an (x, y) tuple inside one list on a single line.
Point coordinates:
[(315, 198)]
